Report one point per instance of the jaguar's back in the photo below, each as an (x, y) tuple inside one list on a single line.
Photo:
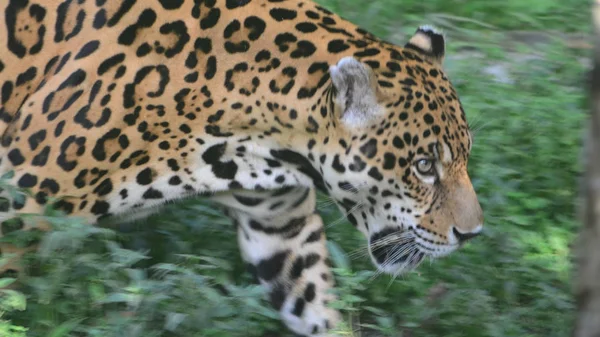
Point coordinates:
[(96, 92)]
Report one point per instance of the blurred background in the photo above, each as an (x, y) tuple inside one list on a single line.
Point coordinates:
[(520, 68)]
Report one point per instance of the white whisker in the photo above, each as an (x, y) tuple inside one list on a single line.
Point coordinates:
[(345, 215)]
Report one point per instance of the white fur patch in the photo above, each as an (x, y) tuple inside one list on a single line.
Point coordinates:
[(356, 92), (431, 29)]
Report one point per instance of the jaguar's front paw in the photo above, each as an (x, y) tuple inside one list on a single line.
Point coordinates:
[(306, 311)]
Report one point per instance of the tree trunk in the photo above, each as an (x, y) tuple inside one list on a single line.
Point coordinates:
[(587, 279)]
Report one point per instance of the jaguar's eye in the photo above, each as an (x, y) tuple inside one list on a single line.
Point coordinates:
[(425, 167)]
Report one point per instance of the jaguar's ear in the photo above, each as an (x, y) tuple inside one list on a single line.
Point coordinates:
[(430, 43), (356, 91)]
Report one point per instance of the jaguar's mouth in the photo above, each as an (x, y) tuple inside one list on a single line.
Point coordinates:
[(395, 251), (391, 258)]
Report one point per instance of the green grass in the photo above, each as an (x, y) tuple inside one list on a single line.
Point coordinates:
[(179, 273), (386, 16)]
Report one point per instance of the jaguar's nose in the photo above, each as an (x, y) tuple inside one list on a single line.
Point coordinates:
[(464, 237)]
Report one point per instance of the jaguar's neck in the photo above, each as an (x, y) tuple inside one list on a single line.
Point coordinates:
[(295, 132)]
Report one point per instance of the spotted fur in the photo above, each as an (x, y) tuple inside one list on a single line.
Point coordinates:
[(116, 107)]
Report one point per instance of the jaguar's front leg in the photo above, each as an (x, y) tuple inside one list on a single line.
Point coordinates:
[(289, 257), (291, 260)]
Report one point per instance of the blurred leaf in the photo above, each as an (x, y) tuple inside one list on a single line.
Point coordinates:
[(65, 328), (338, 256)]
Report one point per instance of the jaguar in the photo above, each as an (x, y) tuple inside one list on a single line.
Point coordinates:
[(113, 108)]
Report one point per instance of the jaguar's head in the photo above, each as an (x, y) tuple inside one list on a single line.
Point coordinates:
[(403, 178)]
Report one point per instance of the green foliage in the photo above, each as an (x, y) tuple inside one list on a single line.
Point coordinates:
[(385, 17), (10, 301), (179, 273), (89, 285)]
